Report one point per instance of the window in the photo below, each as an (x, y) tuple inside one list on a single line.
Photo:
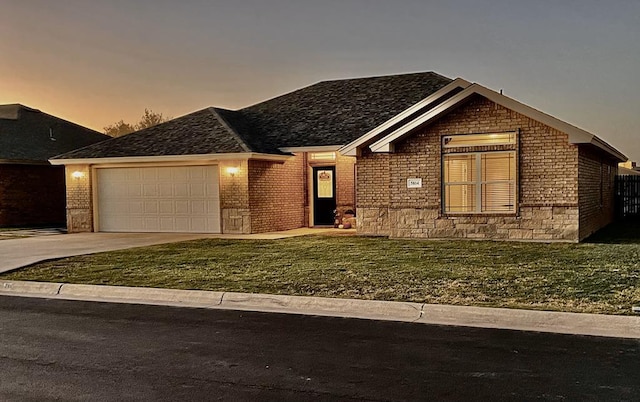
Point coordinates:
[(480, 182), (476, 140), (318, 156)]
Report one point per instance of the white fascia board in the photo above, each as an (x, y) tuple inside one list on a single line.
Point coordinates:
[(319, 148), (576, 135), (612, 151), (172, 158), (351, 148), (384, 144)]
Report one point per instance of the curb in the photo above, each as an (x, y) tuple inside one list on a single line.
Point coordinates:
[(434, 314), (310, 305), (617, 326)]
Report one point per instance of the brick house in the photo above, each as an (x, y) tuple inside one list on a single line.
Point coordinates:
[(468, 162), (268, 167), (430, 157), (32, 191)]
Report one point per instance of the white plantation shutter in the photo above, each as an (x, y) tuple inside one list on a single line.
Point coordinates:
[(480, 182), (498, 181), (460, 183)]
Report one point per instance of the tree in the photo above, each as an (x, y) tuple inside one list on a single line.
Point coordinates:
[(118, 129), (148, 119)]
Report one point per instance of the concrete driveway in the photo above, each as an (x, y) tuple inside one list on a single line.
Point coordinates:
[(16, 253)]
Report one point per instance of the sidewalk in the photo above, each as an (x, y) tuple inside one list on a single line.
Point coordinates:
[(511, 319)]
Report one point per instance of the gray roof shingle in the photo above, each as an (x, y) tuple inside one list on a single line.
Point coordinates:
[(29, 135), (338, 112), (199, 132), (327, 113)]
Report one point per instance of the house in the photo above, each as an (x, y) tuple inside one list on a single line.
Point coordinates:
[(429, 156), (271, 166), (628, 168), (32, 191)]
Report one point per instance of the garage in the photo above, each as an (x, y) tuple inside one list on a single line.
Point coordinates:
[(158, 199)]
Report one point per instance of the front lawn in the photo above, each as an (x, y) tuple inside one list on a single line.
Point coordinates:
[(591, 277)]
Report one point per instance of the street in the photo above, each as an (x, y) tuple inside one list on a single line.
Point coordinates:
[(68, 350)]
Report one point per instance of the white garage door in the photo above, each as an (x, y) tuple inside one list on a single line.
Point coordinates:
[(159, 199)]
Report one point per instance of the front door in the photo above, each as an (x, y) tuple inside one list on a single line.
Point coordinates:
[(324, 195)]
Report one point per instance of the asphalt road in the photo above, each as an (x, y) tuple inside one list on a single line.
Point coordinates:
[(66, 350)]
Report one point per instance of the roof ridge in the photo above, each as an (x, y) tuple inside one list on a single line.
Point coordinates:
[(336, 80), (369, 77), (229, 128)]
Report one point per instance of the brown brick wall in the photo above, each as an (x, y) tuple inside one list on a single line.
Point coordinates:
[(345, 183), (32, 195), (596, 190), (276, 194), (372, 180), (547, 172)]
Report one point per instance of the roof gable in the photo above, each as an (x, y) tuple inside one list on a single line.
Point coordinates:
[(406, 115), (576, 135)]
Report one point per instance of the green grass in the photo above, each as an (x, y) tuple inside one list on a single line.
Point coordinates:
[(602, 276)]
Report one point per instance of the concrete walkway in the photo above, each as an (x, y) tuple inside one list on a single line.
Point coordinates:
[(513, 319), (16, 253)]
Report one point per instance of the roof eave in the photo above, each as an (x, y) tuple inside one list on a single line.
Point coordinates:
[(317, 148), (172, 158)]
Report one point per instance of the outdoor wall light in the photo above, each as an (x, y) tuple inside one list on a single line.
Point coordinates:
[(77, 174), (232, 170)]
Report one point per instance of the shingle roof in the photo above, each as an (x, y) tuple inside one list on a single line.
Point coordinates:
[(200, 132), (326, 113), (30, 135), (338, 112)]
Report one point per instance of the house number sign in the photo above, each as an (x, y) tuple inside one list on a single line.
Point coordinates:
[(414, 183)]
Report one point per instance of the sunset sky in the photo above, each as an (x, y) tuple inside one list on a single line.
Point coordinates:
[(96, 62)]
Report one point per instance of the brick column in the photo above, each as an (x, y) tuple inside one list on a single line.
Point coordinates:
[(79, 198)]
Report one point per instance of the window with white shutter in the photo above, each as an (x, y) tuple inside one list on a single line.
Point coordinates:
[(479, 182)]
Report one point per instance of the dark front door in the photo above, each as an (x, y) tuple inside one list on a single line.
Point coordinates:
[(324, 195)]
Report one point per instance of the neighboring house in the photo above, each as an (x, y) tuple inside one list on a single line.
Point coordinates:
[(628, 168), (290, 161), (32, 192)]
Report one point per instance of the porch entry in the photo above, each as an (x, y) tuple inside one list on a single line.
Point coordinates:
[(324, 195)]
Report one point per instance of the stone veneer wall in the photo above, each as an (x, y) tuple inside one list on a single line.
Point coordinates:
[(547, 191), (277, 195), (79, 199), (31, 195)]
